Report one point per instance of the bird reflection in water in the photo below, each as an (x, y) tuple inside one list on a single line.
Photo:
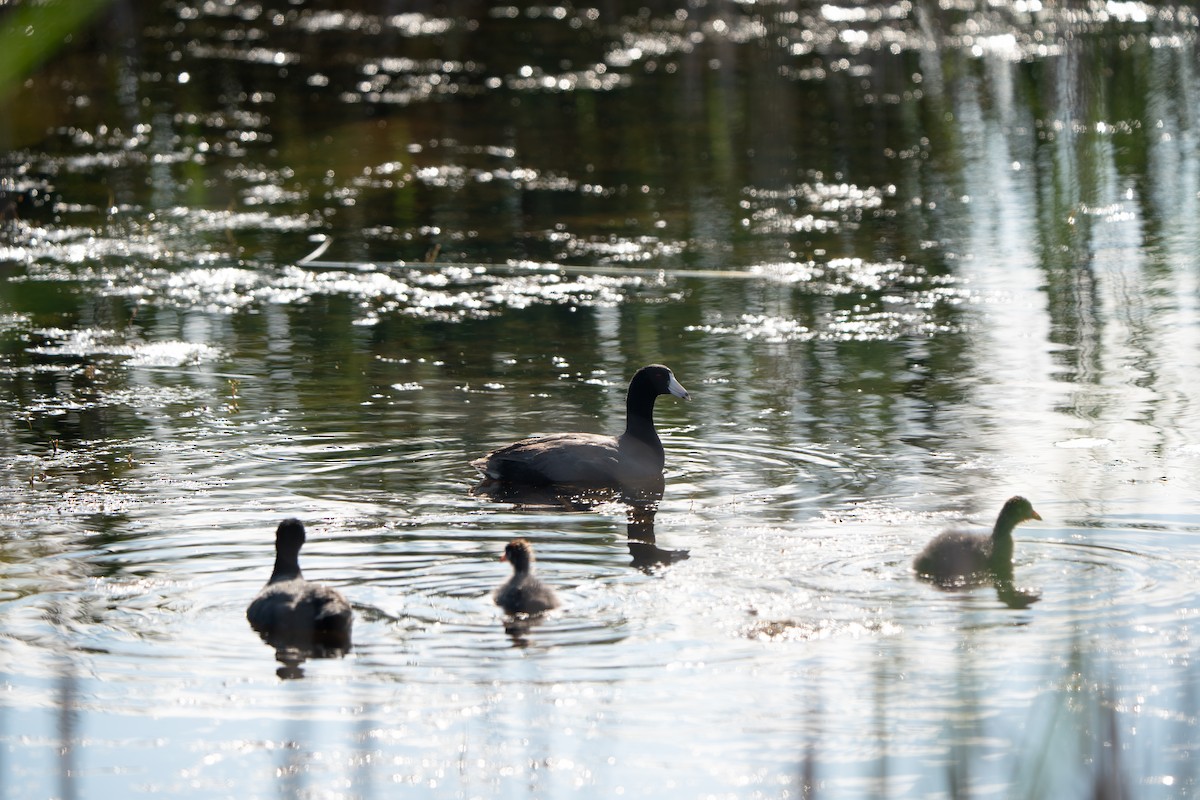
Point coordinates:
[(1000, 577), (642, 504), (641, 500)]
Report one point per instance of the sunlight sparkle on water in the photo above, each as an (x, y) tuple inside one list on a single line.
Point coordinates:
[(909, 261)]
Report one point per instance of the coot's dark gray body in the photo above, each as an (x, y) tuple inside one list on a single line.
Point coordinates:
[(291, 612), (956, 556), (523, 593), (592, 459)]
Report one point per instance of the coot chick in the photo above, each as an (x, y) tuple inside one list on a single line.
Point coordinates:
[(955, 556), (591, 459), (291, 612), (523, 593)]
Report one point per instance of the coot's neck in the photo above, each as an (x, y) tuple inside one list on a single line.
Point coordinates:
[(1002, 540), (639, 415), (287, 565), (1002, 551), (1005, 523), (639, 450)]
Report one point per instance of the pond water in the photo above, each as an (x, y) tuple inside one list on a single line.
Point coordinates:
[(271, 260)]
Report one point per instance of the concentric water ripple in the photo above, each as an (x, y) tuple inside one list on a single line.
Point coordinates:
[(717, 474)]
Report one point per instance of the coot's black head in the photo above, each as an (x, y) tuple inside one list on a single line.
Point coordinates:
[(289, 535), (519, 553), (655, 380), (1016, 510)]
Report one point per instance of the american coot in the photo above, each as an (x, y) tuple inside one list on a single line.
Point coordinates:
[(291, 612), (523, 593), (592, 459), (956, 556)]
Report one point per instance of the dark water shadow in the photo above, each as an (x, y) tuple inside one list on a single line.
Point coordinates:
[(999, 577), (640, 500), (293, 649), (647, 555), (550, 497), (520, 628)]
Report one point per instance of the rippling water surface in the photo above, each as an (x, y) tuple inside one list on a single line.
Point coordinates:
[(309, 260)]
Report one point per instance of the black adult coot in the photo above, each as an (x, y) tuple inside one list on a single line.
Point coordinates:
[(291, 612), (593, 459), (955, 556), (523, 593)]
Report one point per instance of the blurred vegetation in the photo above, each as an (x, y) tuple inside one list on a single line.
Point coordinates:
[(31, 32)]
